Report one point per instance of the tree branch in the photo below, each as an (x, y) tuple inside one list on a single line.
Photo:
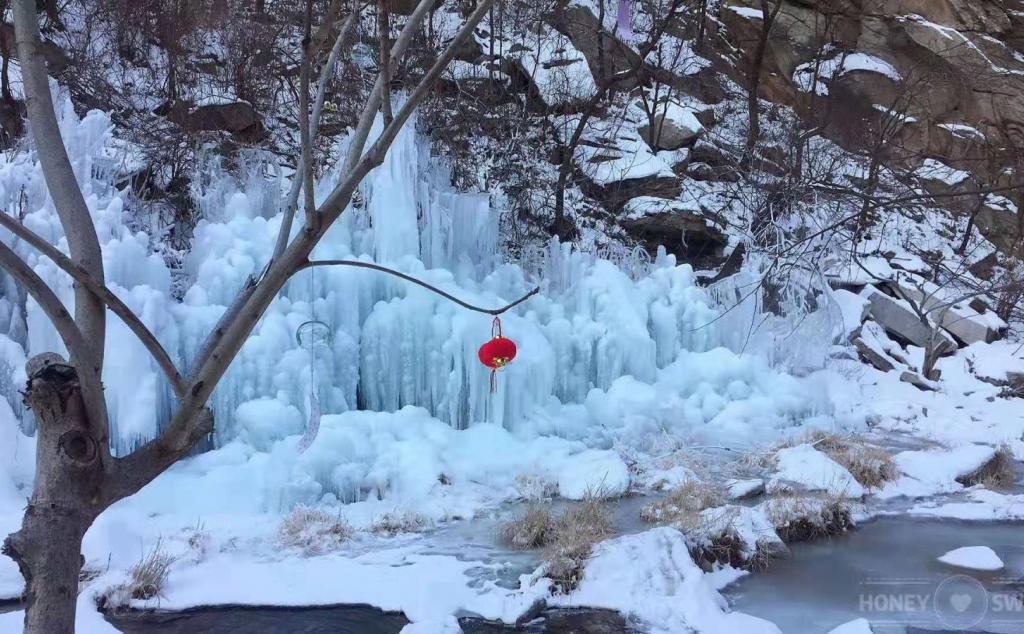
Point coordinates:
[(419, 282), (384, 28), (291, 202), (362, 130), (305, 139), (79, 350), (90, 313), (188, 423), (112, 301)]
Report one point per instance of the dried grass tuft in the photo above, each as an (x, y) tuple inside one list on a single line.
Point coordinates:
[(806, 517), (567, 539), (395, 522), (683, 502), (313, 531), (870, 465), (997, 473), (533, 529)]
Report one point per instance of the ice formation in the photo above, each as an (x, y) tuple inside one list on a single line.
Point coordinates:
[(609, 356)]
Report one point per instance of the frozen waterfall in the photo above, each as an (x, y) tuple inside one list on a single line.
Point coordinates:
[(393, 344)]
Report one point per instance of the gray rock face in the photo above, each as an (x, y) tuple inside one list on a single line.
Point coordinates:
[(238, 118), (686, 235), (901, 321), (670, 135), (963, 321)]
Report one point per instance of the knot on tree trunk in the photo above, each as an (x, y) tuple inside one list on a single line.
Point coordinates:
[(54, 395), (51, 381)]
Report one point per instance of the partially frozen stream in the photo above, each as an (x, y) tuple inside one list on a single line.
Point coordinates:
[(887, 572)]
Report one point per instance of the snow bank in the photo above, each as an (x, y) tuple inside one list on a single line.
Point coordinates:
[(650, 576), (804, 467)]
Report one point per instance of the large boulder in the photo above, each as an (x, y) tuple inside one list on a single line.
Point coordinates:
[(237, 118), (675, 127), (682, 229), (901, 320), (606, 55), (1000, 221), (960, 318)]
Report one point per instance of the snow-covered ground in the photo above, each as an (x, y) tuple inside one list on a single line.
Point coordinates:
[(618, 373)]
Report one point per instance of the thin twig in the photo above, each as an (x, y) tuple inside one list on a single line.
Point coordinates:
[(429, 287)]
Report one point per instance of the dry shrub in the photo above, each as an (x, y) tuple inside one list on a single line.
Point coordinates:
[(567, 539), (394, 522), (577, 530), (799, 518), (533, 529), (146, 580), (313, 531), (870, 465), (997, 473), (683, 502)]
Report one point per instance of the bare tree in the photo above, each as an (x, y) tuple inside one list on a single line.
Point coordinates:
[(76, 476), (768, 15), (607, 84)]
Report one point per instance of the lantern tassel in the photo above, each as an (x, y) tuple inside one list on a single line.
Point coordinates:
[(495, 333)]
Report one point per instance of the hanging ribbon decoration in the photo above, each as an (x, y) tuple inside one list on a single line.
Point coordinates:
[(624, 21), (496, 353), (312, 335)]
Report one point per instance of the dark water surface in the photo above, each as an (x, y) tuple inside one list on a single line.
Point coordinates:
[(345, 619)]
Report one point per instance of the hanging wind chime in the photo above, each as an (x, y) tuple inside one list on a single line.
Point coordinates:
[(317, 337), (496, 353)]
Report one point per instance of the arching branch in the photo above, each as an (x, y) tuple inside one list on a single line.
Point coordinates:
[(83, 243), (78, 349), (226, 344), (112, 301), (418, 282)]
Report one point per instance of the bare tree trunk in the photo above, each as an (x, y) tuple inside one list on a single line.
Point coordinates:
[(757, 65), (64, 499)]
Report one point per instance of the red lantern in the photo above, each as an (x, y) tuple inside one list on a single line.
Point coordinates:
[(498, 352)]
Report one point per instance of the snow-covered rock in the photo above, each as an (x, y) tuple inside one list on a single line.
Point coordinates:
[(805, 468), (932, 471), (973, 558), (675, 127), (897, 317), (852, 307), (738, 489), (959, 318)]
